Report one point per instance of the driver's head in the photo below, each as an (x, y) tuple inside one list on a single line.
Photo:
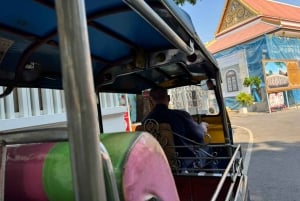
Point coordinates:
[(159, 95)]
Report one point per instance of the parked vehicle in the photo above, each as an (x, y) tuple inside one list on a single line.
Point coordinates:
[(130, 46)]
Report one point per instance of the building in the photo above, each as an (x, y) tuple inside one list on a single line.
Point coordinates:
[(26, 108), (259, 38)]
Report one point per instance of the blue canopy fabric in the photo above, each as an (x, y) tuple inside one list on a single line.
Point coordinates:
[(29, 45)]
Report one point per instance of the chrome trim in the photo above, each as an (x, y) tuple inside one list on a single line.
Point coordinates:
[(82, 118)]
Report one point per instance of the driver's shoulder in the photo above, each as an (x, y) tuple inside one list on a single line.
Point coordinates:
[(181, 113)]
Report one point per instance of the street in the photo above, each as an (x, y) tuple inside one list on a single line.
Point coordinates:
[(271, 142)]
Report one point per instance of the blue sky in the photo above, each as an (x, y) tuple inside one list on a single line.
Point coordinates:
[(206, 15)]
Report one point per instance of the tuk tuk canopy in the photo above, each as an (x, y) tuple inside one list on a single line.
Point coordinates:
[(134, 45)]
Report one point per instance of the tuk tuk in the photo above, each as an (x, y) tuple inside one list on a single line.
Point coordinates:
[(87, 47)]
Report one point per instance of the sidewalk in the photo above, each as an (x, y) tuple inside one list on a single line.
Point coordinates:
[(236, 113)]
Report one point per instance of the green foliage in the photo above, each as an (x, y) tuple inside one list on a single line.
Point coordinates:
[(244, 99), (247, 82), (181, 2), (252, 81), (256, 82)]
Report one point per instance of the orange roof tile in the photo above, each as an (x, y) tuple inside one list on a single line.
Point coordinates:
[(270, 15), (240, 35), (275, 9)]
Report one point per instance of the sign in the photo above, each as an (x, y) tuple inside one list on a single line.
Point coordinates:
[(281, 75), (276, 100)]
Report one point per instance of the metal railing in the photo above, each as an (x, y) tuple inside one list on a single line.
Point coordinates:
[(232, 171), (25, 102)]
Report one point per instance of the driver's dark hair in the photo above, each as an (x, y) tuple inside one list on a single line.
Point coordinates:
[(158, 93)]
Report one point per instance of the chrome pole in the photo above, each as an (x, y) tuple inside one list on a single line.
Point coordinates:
[(227, 170), (83, 128)]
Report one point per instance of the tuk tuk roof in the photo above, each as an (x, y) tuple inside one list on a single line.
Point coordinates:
[(130, 48)]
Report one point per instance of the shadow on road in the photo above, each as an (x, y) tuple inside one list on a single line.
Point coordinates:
[(273, 153)]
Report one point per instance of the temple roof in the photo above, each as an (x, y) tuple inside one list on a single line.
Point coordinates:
[(244, 20), (275, 9), (244, 34)]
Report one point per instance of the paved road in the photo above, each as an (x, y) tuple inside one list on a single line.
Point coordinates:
[(274, 156)]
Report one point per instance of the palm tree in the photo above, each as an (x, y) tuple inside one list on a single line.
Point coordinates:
[(253, 83)]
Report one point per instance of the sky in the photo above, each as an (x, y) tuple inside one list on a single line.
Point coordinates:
[(206, 15)]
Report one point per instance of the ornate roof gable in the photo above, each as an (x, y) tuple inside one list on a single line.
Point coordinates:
[(235, 12)]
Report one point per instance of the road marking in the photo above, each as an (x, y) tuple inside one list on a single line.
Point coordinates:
[(249, 148)]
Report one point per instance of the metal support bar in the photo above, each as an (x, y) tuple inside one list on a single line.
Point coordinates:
[(86, 162), (111, 179), (34, 136), (229, 166), (233, 180), (6, 92), (159, 24)]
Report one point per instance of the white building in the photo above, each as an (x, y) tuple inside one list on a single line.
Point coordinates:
[(36, 107)]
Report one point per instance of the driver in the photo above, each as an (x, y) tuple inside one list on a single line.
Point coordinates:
[(180, 121)]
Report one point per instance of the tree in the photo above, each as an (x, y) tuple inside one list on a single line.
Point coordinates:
[(254, 83), (244, 99), (181, 2)]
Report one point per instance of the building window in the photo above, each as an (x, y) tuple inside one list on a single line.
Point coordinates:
[(231, 81)]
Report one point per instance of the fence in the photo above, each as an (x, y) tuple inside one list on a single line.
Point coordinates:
[(26, 107)]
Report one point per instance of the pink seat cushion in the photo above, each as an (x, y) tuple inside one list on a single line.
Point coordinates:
[(147, 172), (24, 172)]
